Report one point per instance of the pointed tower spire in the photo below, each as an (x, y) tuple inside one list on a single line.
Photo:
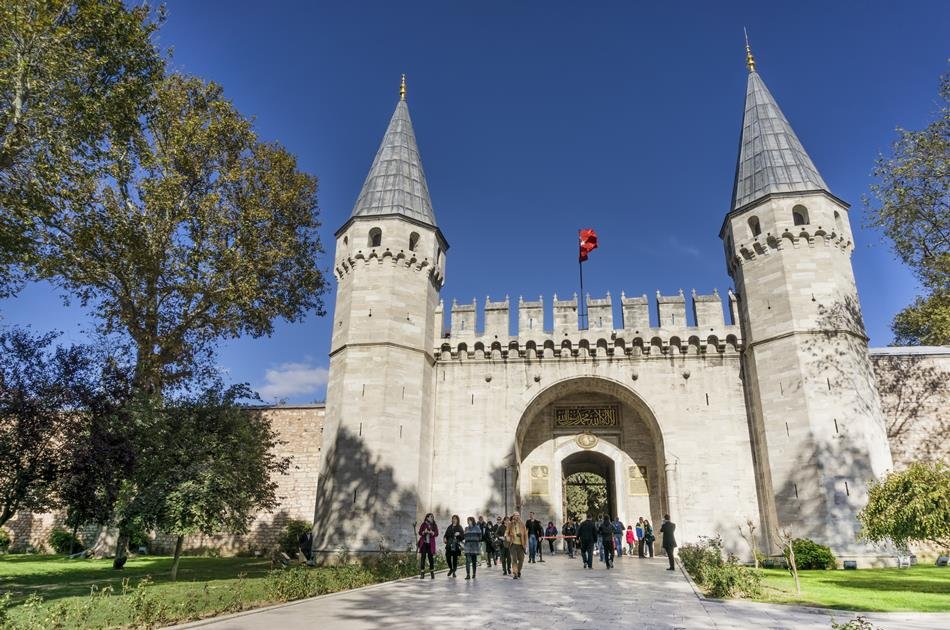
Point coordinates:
[(771, 158), (749, 59), (396, 183)]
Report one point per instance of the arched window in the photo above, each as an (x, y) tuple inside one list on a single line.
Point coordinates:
[(754, 226), (413, 241), (346, 241), (838, 223), (375, 237), (800, 215)]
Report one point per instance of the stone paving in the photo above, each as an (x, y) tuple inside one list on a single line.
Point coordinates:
[(556, 594)]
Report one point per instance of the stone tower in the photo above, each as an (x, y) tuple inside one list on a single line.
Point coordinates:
[(816, 424), (389, 262)]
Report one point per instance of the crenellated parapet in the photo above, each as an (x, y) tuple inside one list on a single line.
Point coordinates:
[(669, 334), (797, 237), (410, 261)]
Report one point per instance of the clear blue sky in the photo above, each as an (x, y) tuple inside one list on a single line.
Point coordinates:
[(537, 118)]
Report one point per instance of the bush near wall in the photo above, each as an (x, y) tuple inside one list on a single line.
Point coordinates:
[(811, 555), (4, 541), (63, 541), (290, 536), (718, 574)]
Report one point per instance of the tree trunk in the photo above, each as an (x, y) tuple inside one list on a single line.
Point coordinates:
[(121, 550), (72, 543), (794, 566), (178, 544)]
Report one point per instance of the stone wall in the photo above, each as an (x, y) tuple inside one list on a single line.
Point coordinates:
[(300, 429), (914, 387)]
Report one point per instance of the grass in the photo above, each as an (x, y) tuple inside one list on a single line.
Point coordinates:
[(48, 591), (920, 588)]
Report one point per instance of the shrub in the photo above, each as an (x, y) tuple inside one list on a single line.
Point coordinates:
[(63, 541), (138, 538), (718, 575), (811, 555), (4, 541), (291, 534)]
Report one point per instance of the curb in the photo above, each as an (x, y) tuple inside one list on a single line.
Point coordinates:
[(253, 611)]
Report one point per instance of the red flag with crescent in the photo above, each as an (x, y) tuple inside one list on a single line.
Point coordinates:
[(588, 239)]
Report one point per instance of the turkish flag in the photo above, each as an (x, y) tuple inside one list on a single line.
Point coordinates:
[(588, 238)]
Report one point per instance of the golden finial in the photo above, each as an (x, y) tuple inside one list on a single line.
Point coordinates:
[(749, 59), (402, 89)]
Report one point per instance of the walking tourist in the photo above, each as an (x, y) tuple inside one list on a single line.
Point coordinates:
[(517, 535), (586, 536), (669, 539), (428, 533), (631, 540), (550, 534), (453, 544), (504, 547), (648, 537), (618, 536), (473, 546), (639, 534), (569, 531), (534, 535), (607, 541)]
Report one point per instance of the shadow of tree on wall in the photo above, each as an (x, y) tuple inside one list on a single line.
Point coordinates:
[(911, 397)]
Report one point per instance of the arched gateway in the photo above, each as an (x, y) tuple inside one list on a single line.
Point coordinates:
[(594, 425)]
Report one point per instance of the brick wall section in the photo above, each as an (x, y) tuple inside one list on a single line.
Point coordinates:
[(299, 427), (914, 386)]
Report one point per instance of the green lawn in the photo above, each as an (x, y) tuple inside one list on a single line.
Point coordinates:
[(920, 588), (89, 594)]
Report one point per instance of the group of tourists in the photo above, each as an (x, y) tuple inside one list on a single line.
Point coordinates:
[(509, 540)]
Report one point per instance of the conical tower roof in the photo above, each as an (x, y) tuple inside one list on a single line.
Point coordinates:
[(396, 183), (771, 158)]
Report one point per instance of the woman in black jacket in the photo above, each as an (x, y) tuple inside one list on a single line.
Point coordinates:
[(454, 536), (606, 531)]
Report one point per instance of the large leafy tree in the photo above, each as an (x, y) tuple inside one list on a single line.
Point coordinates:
[(586, 493), (200, 231), (910, 506), (912, 207), (42, 387), (205, 465), (74, 75)]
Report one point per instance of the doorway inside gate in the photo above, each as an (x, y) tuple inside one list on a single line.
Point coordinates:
[(588, 486)]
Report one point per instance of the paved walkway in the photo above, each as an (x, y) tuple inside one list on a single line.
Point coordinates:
[(556, 594)]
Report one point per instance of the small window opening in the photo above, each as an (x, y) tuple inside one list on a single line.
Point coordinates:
[(800, 215), (847, 489), (796, 490), (754, 226), (413, 241), (838, 222), (375, 237)]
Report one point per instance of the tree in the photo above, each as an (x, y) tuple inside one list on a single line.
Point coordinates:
[(785, 537), (748, 535), (40, 392), (206, 465), (912, 207), (199, 232), (586, 494), (910, 506), (71, 74)]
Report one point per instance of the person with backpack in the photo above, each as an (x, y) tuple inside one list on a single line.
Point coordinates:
[(472, 545), (491, 542), (569, 531), (454, 535), (428, 533), (618, 536), (606, 531)]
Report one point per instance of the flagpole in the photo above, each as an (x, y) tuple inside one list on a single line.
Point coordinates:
[(581, 314)]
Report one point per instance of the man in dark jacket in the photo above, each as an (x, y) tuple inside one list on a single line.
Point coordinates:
[(606, 532), (535, 537), (586, 537), (669, 540)]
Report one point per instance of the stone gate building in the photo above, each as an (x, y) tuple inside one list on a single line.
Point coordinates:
[(767, 407), (768, 411)]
